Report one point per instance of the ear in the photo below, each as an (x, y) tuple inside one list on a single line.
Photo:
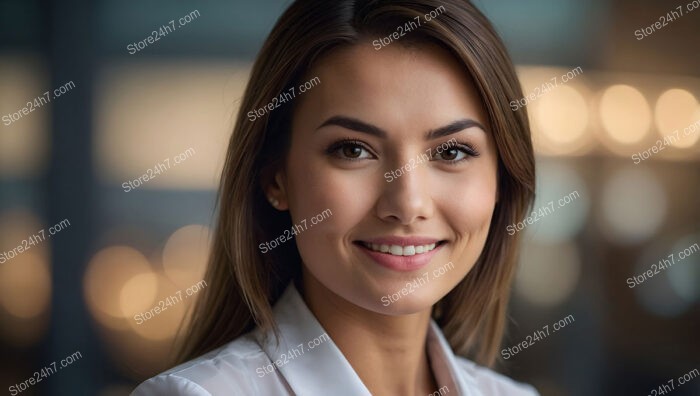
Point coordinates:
[(275, 188)]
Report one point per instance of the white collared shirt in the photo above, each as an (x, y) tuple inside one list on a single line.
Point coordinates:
[(307, 363)]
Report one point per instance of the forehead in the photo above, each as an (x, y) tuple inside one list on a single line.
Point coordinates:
[(398, 86)]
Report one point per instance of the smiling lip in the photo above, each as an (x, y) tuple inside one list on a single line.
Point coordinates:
[(398, 245)]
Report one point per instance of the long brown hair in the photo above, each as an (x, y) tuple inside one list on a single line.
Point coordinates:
[(243, 283)]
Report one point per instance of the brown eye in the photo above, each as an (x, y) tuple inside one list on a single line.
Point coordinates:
[(450, 154), (456, 154), (352, 150)]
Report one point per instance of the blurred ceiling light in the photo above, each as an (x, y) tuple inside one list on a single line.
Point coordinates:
[(625, 114), (185, 255), (634, 205), (107, 273), (558, 181), (548, 274), (23, 143), (561, 117), (675, 110), (148, 112), (23, 315), (138, 294), (695, 130), (687, 135)]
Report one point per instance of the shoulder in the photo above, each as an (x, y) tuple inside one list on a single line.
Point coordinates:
[(226, 370), (492, 383)]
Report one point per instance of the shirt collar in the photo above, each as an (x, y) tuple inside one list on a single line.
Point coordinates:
[(445, 367), (318, 370)]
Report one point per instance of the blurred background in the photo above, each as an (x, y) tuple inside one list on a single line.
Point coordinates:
[(88, 106)]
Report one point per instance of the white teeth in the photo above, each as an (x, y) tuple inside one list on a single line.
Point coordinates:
[(398, 250)]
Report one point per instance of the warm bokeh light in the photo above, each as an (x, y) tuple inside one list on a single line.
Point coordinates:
[(561, 117), (107, 274), (163, 325), (28, 270), (25, 285), (138, 294), (675, 110), (25, 280), (625, 114), (185, 255), (23, 143)]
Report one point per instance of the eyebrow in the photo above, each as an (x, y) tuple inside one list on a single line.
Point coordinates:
[(361, 126)]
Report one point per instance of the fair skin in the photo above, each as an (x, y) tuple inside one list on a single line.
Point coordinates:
[(387, 102)]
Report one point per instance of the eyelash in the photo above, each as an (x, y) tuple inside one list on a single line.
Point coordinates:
[(335, 146), (332, 150)]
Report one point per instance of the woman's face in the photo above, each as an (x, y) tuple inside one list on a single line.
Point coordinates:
[(396, 145)]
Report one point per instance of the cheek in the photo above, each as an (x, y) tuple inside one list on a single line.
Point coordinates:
[(470, 204), (469, 211), (314, 187)]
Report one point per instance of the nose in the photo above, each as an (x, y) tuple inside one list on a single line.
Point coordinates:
[(407, 197)]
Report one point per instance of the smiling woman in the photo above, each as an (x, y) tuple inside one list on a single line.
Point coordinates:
[(448, 81)]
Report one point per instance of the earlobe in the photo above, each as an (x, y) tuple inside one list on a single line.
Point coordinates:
[(276, 191)]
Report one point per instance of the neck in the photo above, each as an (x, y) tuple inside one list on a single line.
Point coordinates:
[(383, 350)]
